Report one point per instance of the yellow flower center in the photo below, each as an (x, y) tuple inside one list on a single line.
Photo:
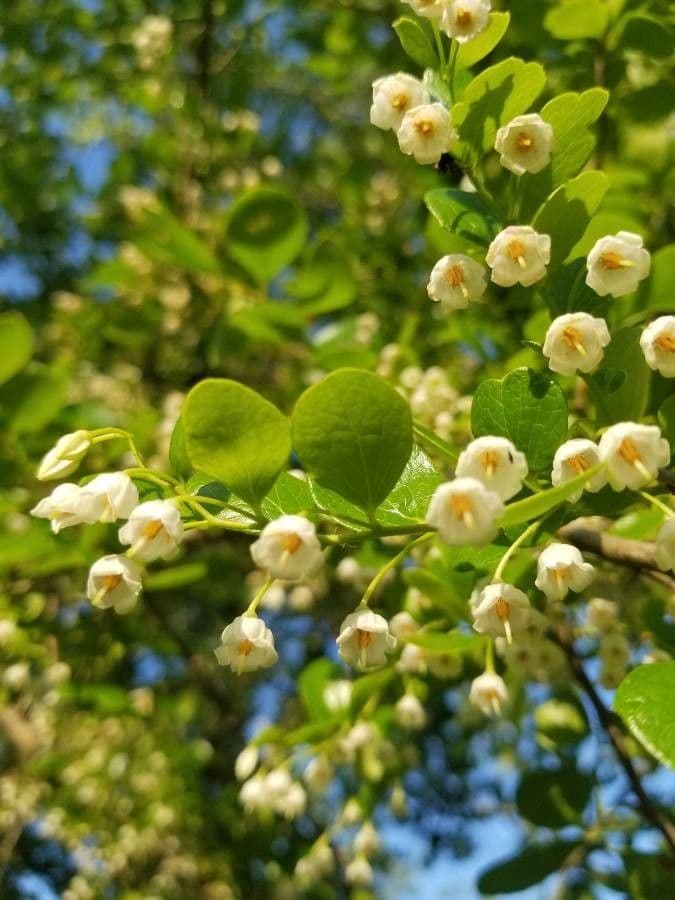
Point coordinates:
[(578, 463), (628, 451), (502, 609), (110, 582), (573, 338), (463, 18), (666, 342), (364, 638), (613, 261), (455, 276), (244, 647), (291, 543), (516, 251), (462, 509), (152, 529), (399, 101), (425, 127), (524, 142), (490, 461)]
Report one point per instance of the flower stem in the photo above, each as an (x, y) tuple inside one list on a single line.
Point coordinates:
[(264, 588), (669, 511), (392, 563), (519, 541), (439, 45)]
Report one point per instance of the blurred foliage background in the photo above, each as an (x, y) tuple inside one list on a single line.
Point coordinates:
[(201, 194)]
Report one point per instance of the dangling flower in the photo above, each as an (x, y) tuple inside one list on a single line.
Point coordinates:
[(293, 803), (495, 462), (575, 342), (318, 774), (393, 96), (464, 20), (68, 504), (359, 872), (561, 568), (501, 610), (426, 132), (365, 639), (465, 512), (288, 548), (455, 280), (403, 625), (246, 762), (633, 454), (665, 546), (409, 713), (518, 255), (154, 530), (658, 345), (114, 581), (367, 840), (617, 264), (488, 692), (116, 493), (525, 144), (65, 456), (430, 9), (602, 614), (572, 459), (247, 644)]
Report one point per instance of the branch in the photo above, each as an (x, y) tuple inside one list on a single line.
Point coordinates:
[(205, 46), (613, 726)]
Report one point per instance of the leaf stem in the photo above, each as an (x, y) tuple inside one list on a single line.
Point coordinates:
[(655, 502), (393, 562), (519, 541)]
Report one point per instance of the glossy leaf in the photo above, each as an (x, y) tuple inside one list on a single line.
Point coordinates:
[(463, 213), (16, 344), (644, 700), (416, 40)]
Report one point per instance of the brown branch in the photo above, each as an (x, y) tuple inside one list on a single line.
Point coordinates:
[(614, 729), (205, 46)]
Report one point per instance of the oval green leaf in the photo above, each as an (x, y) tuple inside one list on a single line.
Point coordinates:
[(236, 436), (644, 700), (16, 344), (353, 434)]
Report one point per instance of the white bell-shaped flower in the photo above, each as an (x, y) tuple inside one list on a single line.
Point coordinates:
[(318, 774), (665, 546), (65, 456), (359, 872), (409, 713), (365, 639), (658, 345), (367, 840), (246, 762), (337, 695), (572, 459), (501, 610), (488, 692), (602, 614), (253, 794), (518, 255), (402, 625), (561, 568), (426, 132), (633, 454), (455, 280), (463, 20), (575, 342), (288, 548), (393, 96), (68, 504), (114, 581), (247, 644), (617, 264), (496, 462), (116, 494), (525, 144), (293, 803), (465, 512), (430, 9), (154, 530)]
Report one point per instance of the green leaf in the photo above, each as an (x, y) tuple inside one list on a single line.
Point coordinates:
[(577, 19), (562, 721), (236, 436), (625, 399), (367, 685), (431, 439), (450, 643), (441, 592), (311, 684), (438, 87), (416, 41), (568, 291), (32, 399), (289, 496), (567, 212), (265, 232), (473, 51), (571, 116), (178, 458), (533, 864), (409, 500), (175, 577), (646, 875), (553, 799), (495, 97), (353, 435), (646, 35), (464, 214), (656, 292), (526, 407), (325, 283), (667, 419), (644, 700), (163, 238), (542, 502), (16, 344)]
